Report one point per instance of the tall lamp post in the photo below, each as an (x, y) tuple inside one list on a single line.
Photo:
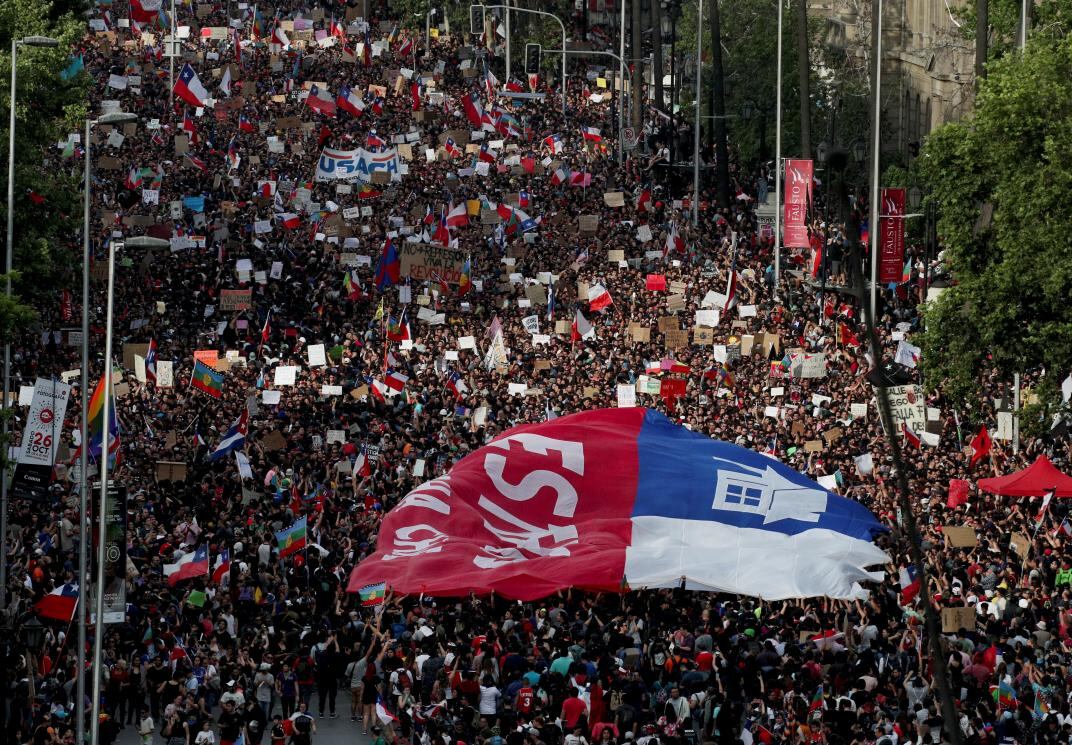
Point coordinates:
[(671, 12), (106, 390), (113, 118), (9, 259)]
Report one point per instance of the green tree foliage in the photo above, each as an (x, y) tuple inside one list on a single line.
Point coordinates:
[(1010, 308), (1048, 17), (47, 109)]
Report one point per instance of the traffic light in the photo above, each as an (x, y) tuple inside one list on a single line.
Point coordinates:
[(532, 59), (476, 19)]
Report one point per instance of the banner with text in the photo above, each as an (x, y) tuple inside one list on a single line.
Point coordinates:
[(44, 425), (420, 260), (355, 164), (798, 179), (891, 238)]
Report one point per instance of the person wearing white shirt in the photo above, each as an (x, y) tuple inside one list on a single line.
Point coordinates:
[(489, 698)]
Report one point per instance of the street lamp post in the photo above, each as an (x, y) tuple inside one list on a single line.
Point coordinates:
[(9, 261), (778, 162), (696, 126), (83, 490), (876, 130)]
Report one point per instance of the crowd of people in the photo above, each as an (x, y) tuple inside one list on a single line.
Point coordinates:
[(266, 641)]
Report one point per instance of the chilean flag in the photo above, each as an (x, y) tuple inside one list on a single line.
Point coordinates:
[(674, 241), (486, 155), (592, 134), (554, 142), (473, 112), (396, 381), (59, 604), (150, 363), (559, 176), (350, 102), (289, 220), (628, 498), (382, 713), (523, 199), (221, 566), (189, 566), (598, 297), (245, 124), (188, 87), (910, 583), (452, 148), (581, 328), (316, 103)]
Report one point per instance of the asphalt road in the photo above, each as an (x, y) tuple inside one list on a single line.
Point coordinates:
[(338, 731)]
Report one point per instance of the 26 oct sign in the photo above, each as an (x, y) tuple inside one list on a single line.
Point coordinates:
[(347, 165)]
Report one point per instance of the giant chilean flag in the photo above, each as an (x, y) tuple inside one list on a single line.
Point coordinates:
[(605, 498)]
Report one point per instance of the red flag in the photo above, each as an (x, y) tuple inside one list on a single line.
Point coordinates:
[(980, 445), (415, 94), (958, 493)]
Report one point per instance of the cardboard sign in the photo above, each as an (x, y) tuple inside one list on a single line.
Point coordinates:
[(833, 435), (541, 365), (703, 337), (130, 351), (640, 334), (955, 619), (588, 223), (813, 446), (676, 338), (668, 323), (960, 536), (274, 441), (420, 261), (614, 199), (1021, 544), (231, 300), (167, 470)]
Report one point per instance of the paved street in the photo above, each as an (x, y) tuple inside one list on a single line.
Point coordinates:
[(338, 731)]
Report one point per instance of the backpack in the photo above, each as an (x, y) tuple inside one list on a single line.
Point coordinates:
[(616, 700)]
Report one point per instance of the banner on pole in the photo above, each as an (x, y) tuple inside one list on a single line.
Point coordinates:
[(115, 554), (892, 236), (798, 180), (44, 425)]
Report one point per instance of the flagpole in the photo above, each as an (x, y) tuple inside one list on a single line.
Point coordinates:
[(778, 163), (171, 59)]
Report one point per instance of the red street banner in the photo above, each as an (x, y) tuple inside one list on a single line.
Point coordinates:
[(798, 180), (891, 236)]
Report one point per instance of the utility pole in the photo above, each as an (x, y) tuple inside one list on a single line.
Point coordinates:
[(722, 166), (982, 29), (657, 51), (804, 69), (635, 53)]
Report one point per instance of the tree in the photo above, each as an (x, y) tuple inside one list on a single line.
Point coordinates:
[(1009, 309), (48, 108)]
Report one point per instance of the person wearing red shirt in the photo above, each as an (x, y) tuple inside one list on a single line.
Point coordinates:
[(573, 710), (525, 698)]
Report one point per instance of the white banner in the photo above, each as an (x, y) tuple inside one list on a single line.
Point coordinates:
[(355, 164), (44, 424)]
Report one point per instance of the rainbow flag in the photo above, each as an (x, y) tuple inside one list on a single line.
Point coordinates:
[(95, 422), (373, 594), (206, 379), (291, 539), (351, 289)]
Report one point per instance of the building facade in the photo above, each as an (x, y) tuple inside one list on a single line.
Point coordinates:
[(928, 71)]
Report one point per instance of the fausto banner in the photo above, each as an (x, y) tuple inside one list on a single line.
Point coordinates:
[(798, 180), (891, 236)]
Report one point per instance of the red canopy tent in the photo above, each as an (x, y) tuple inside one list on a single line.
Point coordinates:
[(1034, 481)]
